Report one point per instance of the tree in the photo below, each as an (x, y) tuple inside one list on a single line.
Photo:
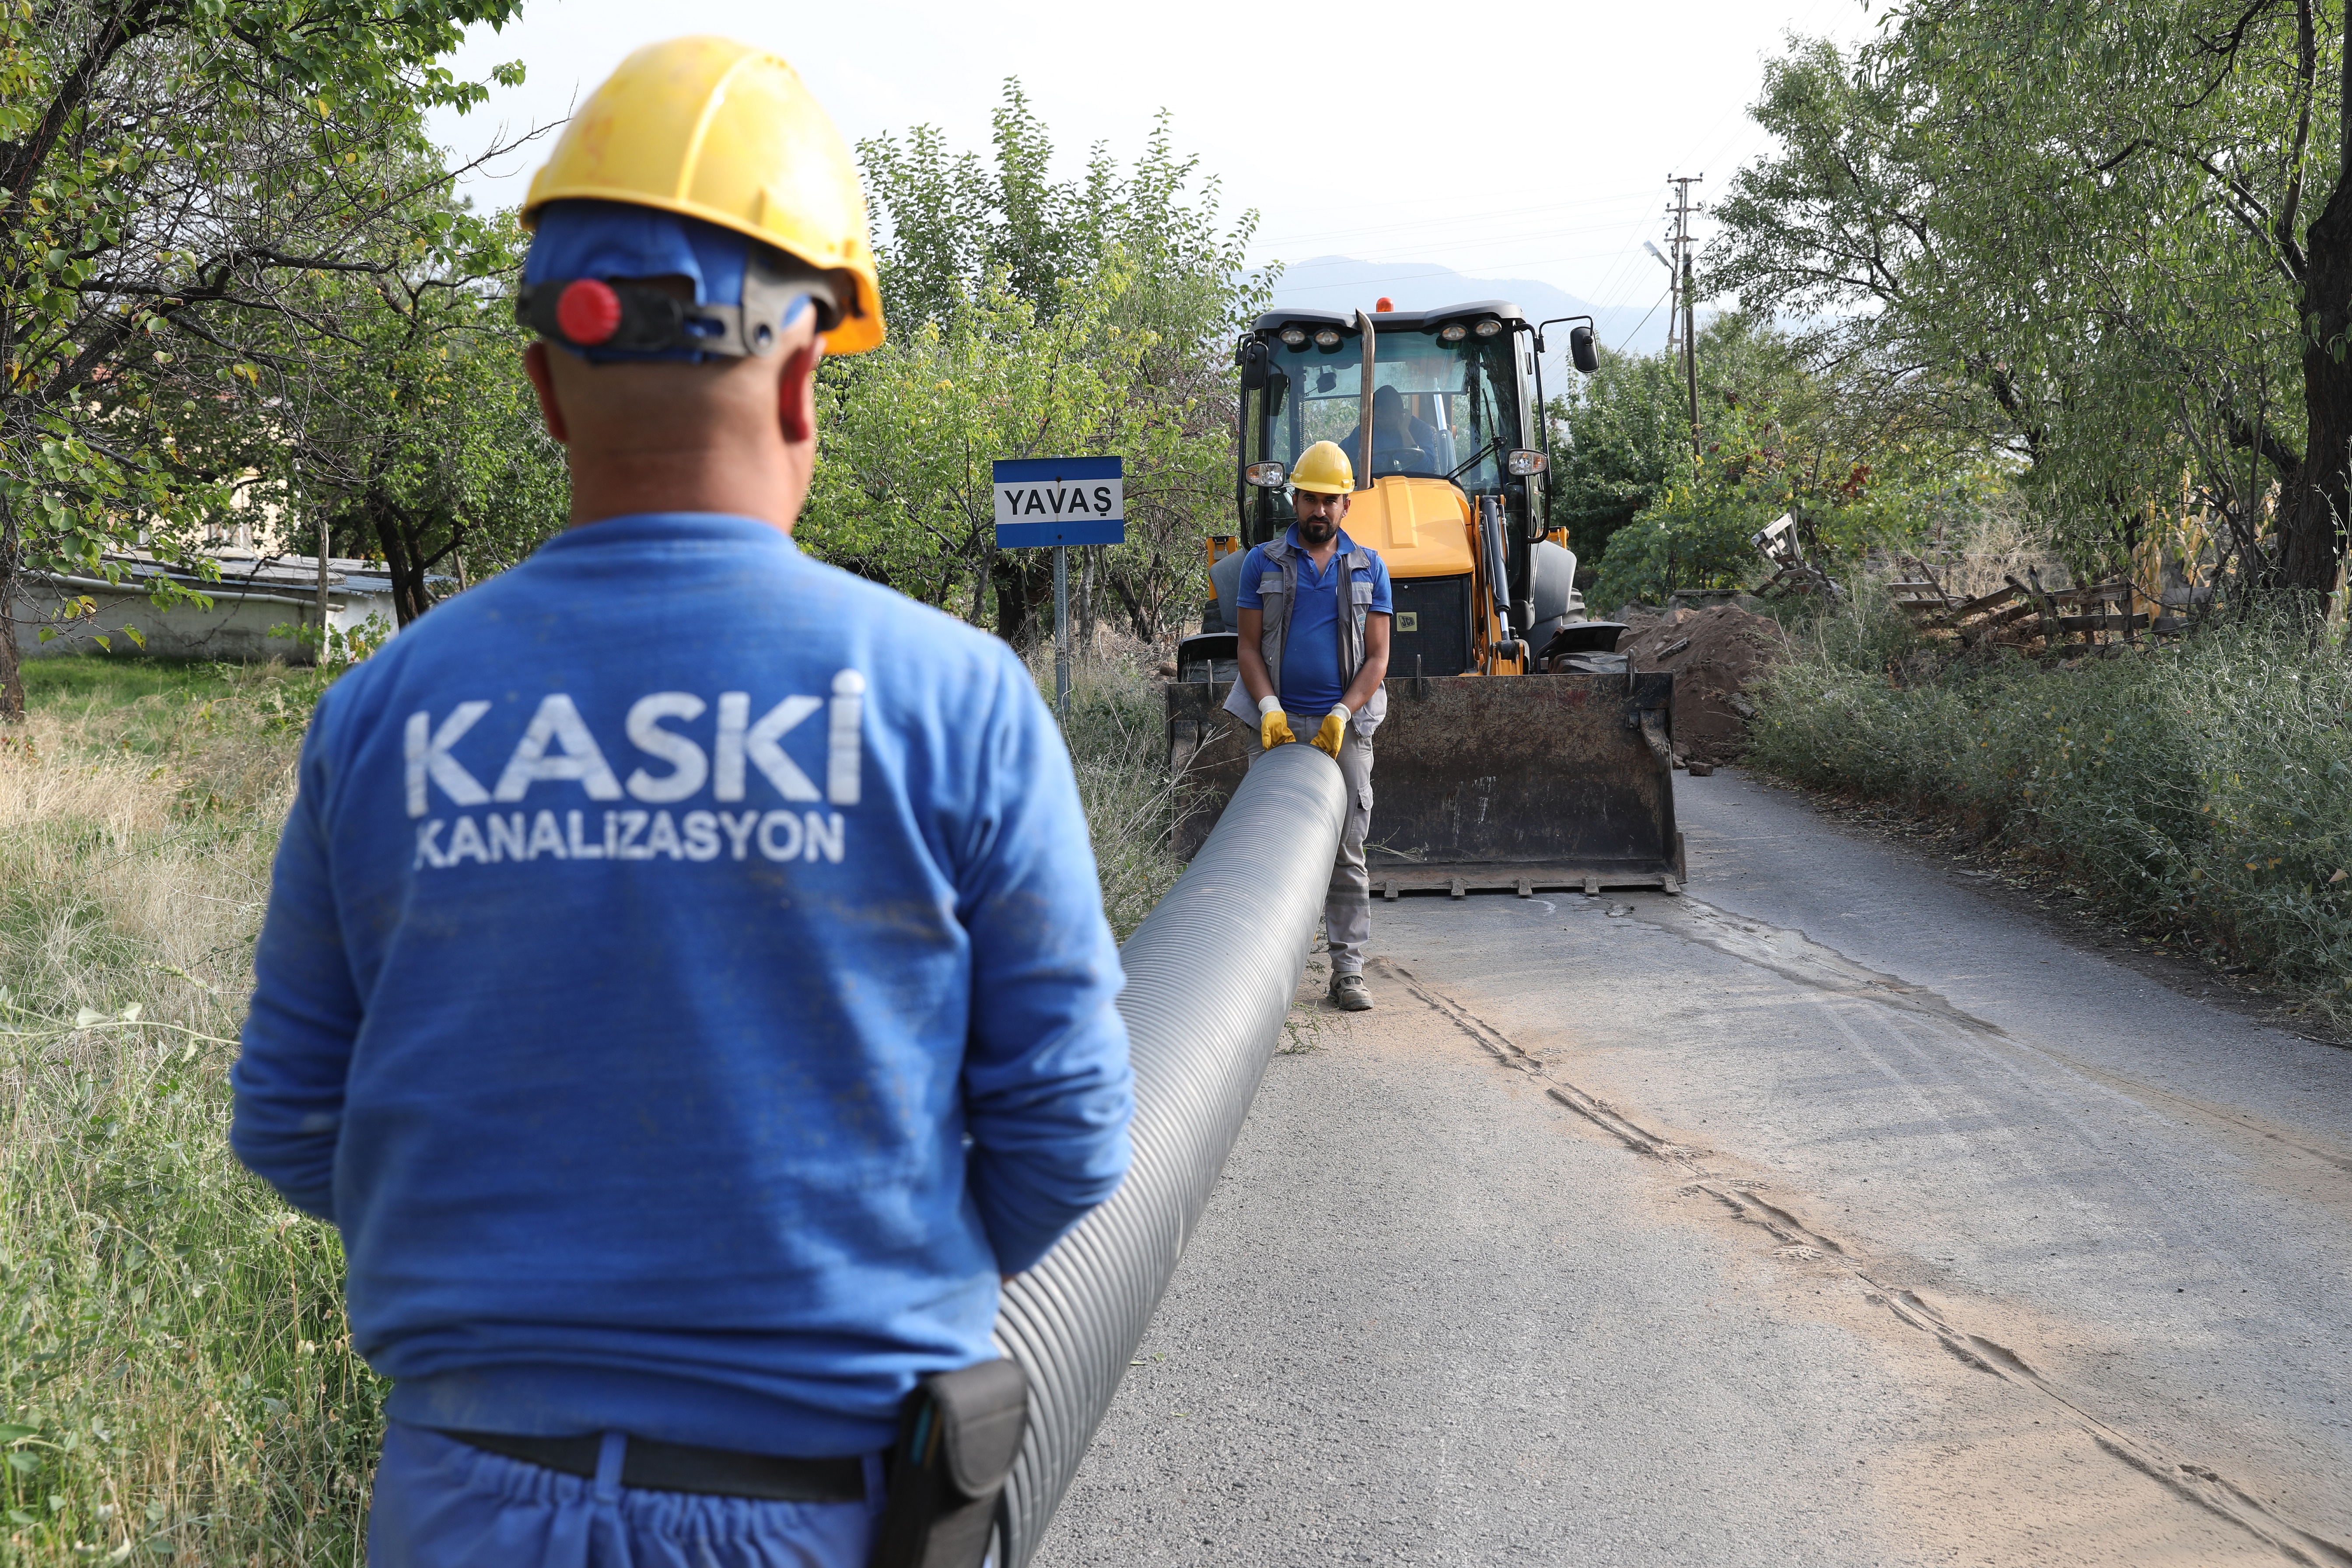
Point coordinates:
[(1619, 434), (166, 167), (1114, 298), (414, 428), (2122, 227), (904, 494), (1857, 462)]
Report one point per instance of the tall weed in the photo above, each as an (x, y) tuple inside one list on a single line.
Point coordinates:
[(2203, 787), (1117, 735), (175, 1376)]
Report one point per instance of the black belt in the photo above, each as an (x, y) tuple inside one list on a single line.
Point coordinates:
[(678, 1468)]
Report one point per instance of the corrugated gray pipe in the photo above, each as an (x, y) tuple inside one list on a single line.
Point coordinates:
[(1210, 976)]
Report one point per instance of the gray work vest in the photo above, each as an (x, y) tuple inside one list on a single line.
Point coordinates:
[(1278, 590)]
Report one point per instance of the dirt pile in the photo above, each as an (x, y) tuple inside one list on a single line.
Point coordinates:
[(1712, 654)]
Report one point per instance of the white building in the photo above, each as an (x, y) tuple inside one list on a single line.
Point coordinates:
[(256, 607)]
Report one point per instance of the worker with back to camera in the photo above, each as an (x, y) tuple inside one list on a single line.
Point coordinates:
[(1314, 609), (685, 983)]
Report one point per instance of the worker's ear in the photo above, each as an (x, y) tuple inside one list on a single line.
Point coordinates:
[(796, 395), (534, 366)]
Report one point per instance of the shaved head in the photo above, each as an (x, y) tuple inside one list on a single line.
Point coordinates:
[(735, 436)]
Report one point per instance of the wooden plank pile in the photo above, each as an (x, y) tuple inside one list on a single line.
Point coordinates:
[(2025, 615)]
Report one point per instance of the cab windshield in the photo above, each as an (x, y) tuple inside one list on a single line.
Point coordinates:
[(1436, 406)]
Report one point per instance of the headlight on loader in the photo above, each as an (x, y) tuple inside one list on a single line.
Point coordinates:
[(1266, 476), (1523, 462)]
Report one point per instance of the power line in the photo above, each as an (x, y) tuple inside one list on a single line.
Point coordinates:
[(1486, 266), (1414, 252), (1454, 218), (1644, 321)]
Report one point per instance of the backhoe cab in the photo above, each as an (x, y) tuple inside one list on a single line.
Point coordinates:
[(1516, 753), (1451, 493)]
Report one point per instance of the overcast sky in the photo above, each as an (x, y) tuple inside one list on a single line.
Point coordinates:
[(1417, 115)]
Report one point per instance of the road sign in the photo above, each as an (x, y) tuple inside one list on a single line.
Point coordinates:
[(1060, 501)]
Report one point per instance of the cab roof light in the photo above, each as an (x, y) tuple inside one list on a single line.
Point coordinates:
[(1452, 332), (1327, 340), (1293, 337), (1488, 328)]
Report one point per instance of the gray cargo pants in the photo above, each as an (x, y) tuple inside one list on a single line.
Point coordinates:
[(1348, 907)]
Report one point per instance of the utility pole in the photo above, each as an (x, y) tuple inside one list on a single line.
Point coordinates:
[(1674, 293), (1682, 184)]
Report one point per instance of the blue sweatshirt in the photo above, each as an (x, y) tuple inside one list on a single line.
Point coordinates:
[(685, 984)]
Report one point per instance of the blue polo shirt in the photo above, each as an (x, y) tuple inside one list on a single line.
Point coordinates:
[(1308, 681)]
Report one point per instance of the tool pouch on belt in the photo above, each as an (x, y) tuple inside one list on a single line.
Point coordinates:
[(957, 1435)]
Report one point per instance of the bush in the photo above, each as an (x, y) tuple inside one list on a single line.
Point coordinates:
[(2203, 788)]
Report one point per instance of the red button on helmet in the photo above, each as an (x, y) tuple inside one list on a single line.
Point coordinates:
[(588, 311)]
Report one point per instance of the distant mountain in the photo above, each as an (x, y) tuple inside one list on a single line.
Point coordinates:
[(1344, 283)]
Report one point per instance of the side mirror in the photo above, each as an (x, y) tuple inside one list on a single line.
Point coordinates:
[(1581, 351), (1266, 476), (1523, 462), (1254, 365)]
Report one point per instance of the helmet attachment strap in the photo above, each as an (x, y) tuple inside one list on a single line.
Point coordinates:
[(654, 321)]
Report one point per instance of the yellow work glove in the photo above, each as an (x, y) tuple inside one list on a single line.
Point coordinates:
[(1334, 731), (1273, 724)]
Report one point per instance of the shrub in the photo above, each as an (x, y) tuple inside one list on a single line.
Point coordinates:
[(2203, 787)]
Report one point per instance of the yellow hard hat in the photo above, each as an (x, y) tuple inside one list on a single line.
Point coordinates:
[(718, 131), (1323, 468)]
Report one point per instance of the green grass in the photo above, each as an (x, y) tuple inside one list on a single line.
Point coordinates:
[(2202, 792), (177, 1379), (1117, 736)]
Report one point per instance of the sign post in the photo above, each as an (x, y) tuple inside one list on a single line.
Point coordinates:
[(1056, 502)]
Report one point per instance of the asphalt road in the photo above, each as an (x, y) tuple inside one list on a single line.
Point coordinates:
[(1831, 1214)]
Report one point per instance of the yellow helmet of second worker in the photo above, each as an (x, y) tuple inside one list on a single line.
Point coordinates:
[(711, 129), (1323, 468)]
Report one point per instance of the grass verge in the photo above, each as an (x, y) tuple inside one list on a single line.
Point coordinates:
[(177, 1379), (1117, 736), (2202, 792)]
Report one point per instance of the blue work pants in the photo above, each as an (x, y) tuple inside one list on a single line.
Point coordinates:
[(441, 1503)]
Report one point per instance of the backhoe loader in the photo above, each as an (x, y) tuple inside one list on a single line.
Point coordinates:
[(1519, 754)]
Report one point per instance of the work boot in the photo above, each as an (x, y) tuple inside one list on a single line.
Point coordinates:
[(1350, 994)]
